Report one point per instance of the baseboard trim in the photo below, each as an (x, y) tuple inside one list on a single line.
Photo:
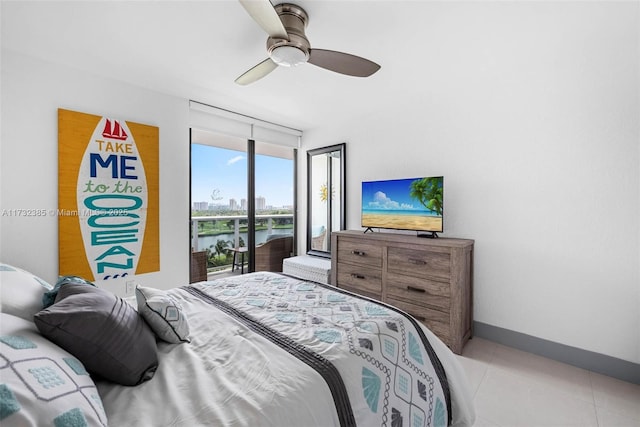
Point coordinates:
[(596, 362)]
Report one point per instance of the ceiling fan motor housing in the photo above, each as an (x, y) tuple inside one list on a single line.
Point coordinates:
[(294, 19)]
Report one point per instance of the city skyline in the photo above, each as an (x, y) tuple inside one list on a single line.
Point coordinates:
[(233, 204), (225, 170)]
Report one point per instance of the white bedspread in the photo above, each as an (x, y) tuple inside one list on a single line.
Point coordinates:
[(231, 376)]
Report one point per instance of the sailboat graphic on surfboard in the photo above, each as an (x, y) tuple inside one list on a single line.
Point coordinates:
[(114, 131), (112, 192)]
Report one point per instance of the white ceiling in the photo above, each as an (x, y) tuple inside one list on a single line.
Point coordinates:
[(196, 49)]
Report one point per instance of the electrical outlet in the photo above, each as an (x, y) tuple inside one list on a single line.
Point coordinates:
[(130, 288)]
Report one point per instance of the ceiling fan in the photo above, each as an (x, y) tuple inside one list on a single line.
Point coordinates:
[(288, 46)]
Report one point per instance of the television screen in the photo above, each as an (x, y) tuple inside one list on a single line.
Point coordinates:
[(404, 204)]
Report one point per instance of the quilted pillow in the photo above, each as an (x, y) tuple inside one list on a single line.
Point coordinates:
[(164, 314), (103, 331), (43, 384), (21, 292)]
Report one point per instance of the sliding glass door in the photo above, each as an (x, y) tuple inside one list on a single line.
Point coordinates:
[(242, 203), (274, 200)]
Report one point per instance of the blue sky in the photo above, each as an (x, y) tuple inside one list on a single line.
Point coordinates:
[(226, 170)]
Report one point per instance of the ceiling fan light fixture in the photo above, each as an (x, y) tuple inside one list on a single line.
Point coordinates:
[(288, 45), (288, 56)]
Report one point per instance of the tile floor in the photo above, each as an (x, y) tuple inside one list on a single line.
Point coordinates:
[(513, 388)]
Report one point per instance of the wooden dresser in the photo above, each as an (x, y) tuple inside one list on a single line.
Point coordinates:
[(431, 279)]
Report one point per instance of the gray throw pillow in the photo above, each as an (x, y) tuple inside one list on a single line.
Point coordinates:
[(103, 331), (49, 297)]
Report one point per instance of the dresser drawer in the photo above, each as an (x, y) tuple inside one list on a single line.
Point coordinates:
[(357, 277), (419, 291), (419, 263), (361, 253), (376, 296), (437, 321)]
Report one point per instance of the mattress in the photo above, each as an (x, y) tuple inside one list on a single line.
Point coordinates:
[(271, 350)]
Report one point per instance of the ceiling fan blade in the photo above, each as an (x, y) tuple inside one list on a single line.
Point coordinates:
[(265, 15), (343, 63), (257, 72)]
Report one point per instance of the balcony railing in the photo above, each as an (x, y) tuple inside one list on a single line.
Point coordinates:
[(196, 233)]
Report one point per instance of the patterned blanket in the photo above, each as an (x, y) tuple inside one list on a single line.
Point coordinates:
[(378, 364)]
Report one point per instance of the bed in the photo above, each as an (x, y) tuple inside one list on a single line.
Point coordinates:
[(260, 349)]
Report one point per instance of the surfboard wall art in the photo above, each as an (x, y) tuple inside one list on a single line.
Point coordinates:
[(108, 202)]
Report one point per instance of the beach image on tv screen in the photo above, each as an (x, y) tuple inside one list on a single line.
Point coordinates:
[(407, 204)]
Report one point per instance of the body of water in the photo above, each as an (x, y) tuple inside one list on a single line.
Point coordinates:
[(261, 237)]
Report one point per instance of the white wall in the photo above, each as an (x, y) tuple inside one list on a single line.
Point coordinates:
[(32, 91), (532, 119)]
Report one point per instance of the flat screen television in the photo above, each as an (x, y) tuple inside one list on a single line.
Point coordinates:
[(404, 204)]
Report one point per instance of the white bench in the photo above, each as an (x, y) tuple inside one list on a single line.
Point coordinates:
[(316, 269)]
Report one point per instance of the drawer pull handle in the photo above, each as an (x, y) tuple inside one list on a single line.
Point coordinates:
[(420, 318), (357, 276), (411, 288), (417, 261), (359, 253)]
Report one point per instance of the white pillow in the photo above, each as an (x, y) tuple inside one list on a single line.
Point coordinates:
[(163, 314), (21, 292), (43, 384)]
